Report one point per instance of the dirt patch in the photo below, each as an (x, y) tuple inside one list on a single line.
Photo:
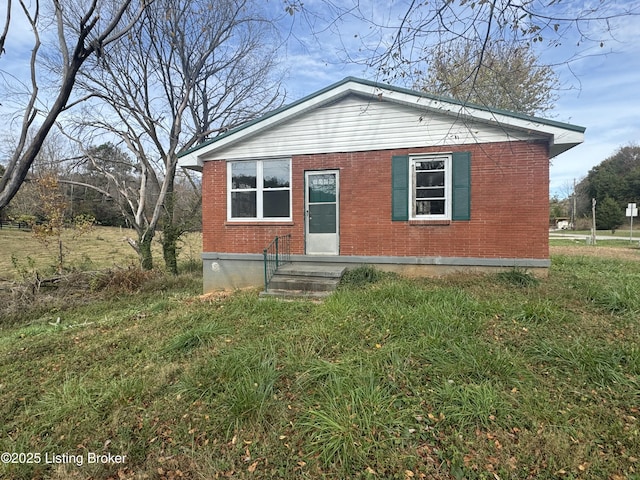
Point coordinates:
[(622, 253), (222, 294)]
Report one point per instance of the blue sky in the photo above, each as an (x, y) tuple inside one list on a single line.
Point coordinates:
[(600, 86)]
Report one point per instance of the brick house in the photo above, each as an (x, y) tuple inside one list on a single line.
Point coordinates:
[(366, 173)]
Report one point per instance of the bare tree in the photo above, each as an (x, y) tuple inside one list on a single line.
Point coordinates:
[(396, 41), (82, 31), (188, 71)]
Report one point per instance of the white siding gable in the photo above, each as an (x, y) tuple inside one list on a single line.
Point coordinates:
[(359, 115), (354, 123)]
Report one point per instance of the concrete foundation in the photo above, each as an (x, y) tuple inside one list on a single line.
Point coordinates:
[(228, 270)]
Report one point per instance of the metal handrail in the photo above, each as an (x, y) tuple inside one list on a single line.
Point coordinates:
[(277, 253)]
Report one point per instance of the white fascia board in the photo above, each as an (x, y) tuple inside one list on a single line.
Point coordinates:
[(190, 161)]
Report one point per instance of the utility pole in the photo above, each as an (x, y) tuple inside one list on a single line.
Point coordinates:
[(573, 210), (593, 225)]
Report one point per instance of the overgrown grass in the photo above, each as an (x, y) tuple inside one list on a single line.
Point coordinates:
[(103, 247), (466, 376)]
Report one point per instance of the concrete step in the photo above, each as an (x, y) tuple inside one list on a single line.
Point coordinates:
[(311, 271), (294, 294), (304, 281)]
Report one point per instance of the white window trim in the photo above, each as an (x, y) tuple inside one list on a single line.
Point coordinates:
[(259, 191), (447, 186)]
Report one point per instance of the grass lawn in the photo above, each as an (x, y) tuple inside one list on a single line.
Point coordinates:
[(103, 247), (495, 376)]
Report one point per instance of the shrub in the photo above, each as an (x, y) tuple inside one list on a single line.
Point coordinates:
[(123, 280), (519, 277), (361, 276)]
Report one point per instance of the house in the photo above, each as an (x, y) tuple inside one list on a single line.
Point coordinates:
[(366, 173)]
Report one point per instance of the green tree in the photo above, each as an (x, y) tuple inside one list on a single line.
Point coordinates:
[(617, 177), (503, 75), (609, 215), (53, 205)]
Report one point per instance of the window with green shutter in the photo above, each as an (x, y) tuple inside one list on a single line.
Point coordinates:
[(431, 187)]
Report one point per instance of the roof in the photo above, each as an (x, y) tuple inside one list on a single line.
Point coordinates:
[(561, 136)]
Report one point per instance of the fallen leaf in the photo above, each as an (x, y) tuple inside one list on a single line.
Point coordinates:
[(252, 467)]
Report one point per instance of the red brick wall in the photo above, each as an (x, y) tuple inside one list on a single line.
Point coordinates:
[(509, 207)]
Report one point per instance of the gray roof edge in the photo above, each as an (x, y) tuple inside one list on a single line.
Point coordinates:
[(384, 86), (497, 111)]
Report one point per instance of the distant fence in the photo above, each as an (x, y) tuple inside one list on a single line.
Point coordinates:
[(17, 225)]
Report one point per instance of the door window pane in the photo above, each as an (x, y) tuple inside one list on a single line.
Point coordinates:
[(322, 218), (322, 188)]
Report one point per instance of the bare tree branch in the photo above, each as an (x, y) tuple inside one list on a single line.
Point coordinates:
[(75, 48), (5, 30), (186, 71)]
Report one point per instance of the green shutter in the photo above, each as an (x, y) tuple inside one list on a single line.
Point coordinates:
[(400, 188), (461, 171)]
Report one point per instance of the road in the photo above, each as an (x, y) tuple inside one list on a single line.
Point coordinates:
[(582, 236)]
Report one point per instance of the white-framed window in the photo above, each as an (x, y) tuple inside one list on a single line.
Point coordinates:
[(430, 187), (259, 190)]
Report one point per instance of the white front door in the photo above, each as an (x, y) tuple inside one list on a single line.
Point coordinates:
[(322, 212)]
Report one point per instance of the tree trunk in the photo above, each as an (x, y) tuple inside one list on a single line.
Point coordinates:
[(170, 237), (60, 255), (171, 233), (144, 250)]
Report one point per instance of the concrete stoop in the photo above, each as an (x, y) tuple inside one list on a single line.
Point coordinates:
[(313, 282)]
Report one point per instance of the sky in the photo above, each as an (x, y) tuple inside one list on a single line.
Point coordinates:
[(600, 86)]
